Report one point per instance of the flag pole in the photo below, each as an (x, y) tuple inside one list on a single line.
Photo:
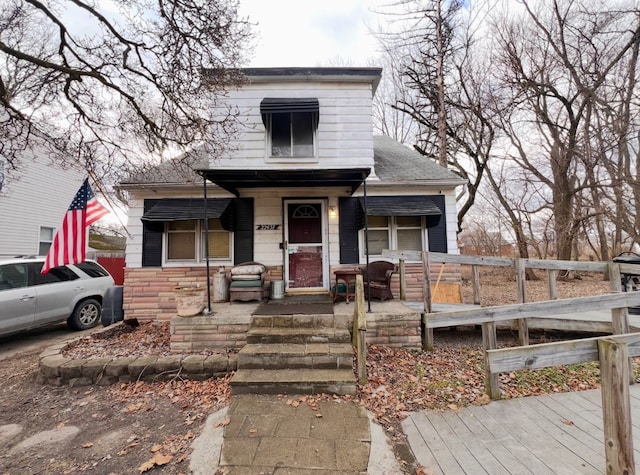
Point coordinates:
[(206, 244)]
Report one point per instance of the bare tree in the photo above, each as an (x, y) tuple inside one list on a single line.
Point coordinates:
[(106, 84), (554, 60)]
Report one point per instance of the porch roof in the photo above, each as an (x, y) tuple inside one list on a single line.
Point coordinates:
[(233, 180)]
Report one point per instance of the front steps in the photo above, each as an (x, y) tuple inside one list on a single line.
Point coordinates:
[(295, 354)]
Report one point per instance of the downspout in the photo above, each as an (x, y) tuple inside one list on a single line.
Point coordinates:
[(366, 241), (206, 243)]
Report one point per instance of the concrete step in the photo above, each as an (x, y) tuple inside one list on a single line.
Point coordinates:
[(324, 320), (294, 381), (297, 355), (296, 335)]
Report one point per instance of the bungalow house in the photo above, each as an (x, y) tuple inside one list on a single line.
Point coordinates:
[(304, 177)]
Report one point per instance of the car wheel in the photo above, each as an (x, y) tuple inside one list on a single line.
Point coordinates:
[(86, 315)]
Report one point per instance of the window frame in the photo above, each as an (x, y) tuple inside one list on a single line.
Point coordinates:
[(200, 257), (392, 229), (291, 157), (41, 241)]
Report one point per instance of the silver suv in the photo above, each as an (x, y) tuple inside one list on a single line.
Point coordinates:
[(29, 299)]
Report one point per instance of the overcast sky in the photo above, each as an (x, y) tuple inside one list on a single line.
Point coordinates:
[(305, 33)]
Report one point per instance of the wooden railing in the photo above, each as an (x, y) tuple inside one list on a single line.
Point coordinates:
[(359, 330), (620, 319), (613, 353)]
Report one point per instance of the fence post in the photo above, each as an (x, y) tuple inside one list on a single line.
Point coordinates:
[(360, 328), (475, 277), (616, 406), (403, 280), (490, 342), (426, 281), (552, 276), (521, 282)]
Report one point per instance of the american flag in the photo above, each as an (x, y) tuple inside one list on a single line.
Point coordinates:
[(70, 242)]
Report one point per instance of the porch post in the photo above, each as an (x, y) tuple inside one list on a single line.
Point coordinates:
[(206, 243), (366, 240)]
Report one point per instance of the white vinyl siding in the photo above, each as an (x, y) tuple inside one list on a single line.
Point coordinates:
[(345, 128), (39, 197)]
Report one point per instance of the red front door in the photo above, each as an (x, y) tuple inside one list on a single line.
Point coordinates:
[(305, 244)]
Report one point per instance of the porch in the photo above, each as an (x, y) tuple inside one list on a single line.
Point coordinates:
[(391, 323)]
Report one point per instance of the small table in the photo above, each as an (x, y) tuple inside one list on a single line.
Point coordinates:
[(348, 277)]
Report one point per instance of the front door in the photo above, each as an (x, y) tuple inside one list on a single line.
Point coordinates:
[(305, 250)]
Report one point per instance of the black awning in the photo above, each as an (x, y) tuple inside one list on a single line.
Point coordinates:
[(180, 209), (418, 205), (273, 105), (233, 180)]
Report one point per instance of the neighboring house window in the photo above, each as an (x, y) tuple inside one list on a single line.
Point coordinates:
[(404, 233), (292, 134), (185, 241), (45, 240)]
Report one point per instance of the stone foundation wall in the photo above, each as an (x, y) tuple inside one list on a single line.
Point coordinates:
[(57, 370), (396, 331), (214, 333), (148, 291)]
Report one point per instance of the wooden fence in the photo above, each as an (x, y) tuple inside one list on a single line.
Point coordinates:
[(618, 301), (613, 353)]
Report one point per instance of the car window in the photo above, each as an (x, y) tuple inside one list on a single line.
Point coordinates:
[(92, 269), (56, 274), (13, 276)]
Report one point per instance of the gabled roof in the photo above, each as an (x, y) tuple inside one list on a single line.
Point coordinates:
[(397, 163)]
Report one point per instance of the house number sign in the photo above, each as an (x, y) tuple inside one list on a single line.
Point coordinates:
[(267, 227)]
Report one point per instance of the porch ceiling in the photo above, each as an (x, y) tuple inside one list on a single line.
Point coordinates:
[(233, 180)]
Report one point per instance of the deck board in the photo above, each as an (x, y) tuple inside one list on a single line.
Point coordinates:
[(550, 434)]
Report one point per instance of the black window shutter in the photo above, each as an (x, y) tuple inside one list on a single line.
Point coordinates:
[(243, 230), (349, 224), (151, 240), (438, 227)]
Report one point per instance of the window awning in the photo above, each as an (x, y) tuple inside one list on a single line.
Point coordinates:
[(418, 205), (179, 209), (273, 105)]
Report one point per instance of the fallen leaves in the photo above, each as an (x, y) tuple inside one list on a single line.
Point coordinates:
[(158, 459)]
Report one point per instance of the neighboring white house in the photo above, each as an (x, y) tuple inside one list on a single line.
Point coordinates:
[(33, 203), (293, 195)]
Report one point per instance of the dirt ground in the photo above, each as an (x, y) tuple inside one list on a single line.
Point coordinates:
[(132, 428)]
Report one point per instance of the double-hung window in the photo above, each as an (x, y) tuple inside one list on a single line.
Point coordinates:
[(186, 241), (292, 134), (45, 239), (291, 125), (405, 233)]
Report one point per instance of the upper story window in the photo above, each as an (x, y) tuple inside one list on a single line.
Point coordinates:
[(291, 126)]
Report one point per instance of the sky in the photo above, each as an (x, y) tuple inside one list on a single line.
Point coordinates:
[(298, 33)]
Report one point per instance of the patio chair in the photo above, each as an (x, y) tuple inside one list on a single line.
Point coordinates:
[(377, 279), (246, 281)]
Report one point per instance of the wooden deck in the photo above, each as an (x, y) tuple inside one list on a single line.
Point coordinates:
[(553, 434)]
